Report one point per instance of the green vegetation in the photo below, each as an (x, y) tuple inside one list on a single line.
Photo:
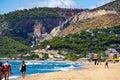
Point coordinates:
[(45, 56), (16, 28), (30, 57), (11, 48), (16, 31), (20, 24), (97, 41), (72, 57)]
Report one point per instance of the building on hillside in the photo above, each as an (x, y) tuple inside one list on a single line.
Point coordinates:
[(112, 53), (118, 48), (40, 53), (117, 33), (92, 56), (53, 54), (90, 31)]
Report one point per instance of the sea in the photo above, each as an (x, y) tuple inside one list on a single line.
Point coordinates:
[(36, 67)]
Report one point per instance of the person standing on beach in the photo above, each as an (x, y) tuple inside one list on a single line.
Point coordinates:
[(23, 69), (6, 69), (1, 70), (106, 63)]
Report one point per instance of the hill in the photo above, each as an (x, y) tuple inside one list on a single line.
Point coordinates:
[(101, 17), (29, 27), (91, 31), (20, 25), (102, 21), (11, 48), (20, 28), (86, 41)]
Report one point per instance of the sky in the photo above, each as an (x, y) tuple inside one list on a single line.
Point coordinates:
[(7, 6)]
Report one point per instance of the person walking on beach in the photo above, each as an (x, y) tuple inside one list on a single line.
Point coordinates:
[(1, 70), (6, 69), (106, 63), (23, 69)]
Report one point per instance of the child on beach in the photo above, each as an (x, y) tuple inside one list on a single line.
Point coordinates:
[(23, 69), (106, 63)]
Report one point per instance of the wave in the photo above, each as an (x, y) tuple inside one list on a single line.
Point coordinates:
[(13, 77), (58, 68), (33, 63), (65, 68)]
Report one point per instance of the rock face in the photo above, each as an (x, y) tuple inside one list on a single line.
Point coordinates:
[(50, 31), (82, 16), (47, 28), (38, 29), (103, 16), (90, 20), (57, 31), (76, 18), (89, 15)]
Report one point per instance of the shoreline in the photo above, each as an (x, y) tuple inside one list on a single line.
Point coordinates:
[(89, 72), (72, 66), (37, 74)]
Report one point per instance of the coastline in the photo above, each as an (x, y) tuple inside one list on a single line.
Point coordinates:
[(89, 72), (39, 67)]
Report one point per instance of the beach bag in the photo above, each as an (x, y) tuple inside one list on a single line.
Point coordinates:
[(6, 68)]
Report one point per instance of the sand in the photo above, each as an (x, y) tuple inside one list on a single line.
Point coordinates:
[(92, 72)]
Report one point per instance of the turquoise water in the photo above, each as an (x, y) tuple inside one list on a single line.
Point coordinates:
[(42, 67)]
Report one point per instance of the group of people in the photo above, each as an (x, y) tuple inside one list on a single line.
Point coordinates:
[(96, 62), (5, 70)]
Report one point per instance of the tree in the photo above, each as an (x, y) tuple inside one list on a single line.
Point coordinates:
[(72, 57), (45, 56)]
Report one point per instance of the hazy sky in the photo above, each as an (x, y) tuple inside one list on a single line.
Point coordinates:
[(12, 5)]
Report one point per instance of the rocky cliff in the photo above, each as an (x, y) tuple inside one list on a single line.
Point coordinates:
[(92, 20), (75, 23)]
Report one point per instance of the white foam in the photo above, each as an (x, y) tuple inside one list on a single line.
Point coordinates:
[(12, 77), (71, 67), (64, 68), (32, 63)]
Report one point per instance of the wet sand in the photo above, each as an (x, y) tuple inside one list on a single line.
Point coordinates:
[(92, 72)]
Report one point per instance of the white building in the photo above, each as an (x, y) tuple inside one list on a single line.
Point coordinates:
[(111, 52)]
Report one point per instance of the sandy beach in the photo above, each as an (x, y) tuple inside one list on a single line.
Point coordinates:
[(92, 72)]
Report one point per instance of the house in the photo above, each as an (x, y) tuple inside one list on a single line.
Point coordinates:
[(53, 54), (40, 53), (92, 56), (112, 53), (117, 33)]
